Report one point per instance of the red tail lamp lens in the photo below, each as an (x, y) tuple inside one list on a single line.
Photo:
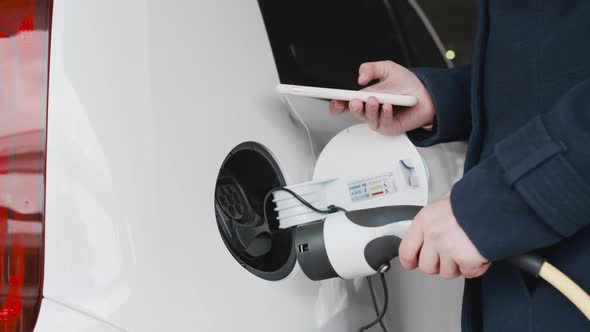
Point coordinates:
[(24, 67)]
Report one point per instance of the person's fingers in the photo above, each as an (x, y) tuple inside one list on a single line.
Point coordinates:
[(337, 106), (410, 247), (474, 272), (374, 70), (386, 119), (429, 260), (359, 115), (356, 107), (372, 112), (448, 268), (406, 119), (471, 263)]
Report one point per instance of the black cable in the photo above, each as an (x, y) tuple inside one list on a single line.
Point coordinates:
[(374, 300), (385, 304), (331, 208)]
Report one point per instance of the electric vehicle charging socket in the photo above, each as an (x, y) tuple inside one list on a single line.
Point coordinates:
[(382, 181), (358, 169)]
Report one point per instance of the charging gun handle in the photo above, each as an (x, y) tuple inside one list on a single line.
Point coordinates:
[(388, 225)]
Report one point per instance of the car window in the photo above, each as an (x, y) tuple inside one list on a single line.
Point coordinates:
[(455, 23), (322, 42)]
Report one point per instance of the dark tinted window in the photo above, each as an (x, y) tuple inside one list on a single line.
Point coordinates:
[(419, 42), (455, 22), (322, 42)]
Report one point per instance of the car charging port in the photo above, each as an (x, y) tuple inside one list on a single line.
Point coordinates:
[(247, 174)]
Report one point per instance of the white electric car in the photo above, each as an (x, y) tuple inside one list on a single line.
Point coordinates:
[(118, 120)]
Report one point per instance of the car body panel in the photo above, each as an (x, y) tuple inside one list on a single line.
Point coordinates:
[(146, 99), (56, 317)]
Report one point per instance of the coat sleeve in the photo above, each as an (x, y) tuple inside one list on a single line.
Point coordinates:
[(449, 90), (534, 189)]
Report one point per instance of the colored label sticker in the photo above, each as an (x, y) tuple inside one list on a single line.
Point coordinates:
[(371, 187)]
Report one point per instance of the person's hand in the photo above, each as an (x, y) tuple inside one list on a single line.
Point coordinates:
[(394, 79), (438, 245)]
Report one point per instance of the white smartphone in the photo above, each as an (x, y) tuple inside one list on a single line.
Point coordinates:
[(348, 95)]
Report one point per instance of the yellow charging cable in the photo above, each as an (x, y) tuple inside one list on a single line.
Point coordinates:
[(567, 287), (540, 268)]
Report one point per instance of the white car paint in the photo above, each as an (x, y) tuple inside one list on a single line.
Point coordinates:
[(146, 99), (56, 317)]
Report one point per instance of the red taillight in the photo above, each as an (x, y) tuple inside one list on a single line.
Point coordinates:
[(24, 67)]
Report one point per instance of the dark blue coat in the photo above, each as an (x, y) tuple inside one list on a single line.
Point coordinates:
[(524, 106)]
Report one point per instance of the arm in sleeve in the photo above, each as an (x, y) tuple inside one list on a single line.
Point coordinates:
[(534, 190), (450, 93)]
